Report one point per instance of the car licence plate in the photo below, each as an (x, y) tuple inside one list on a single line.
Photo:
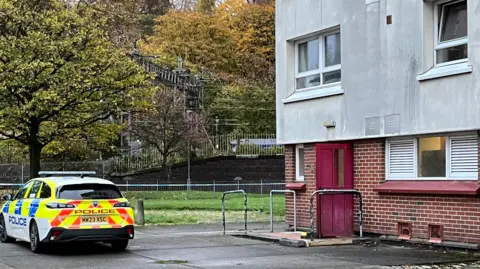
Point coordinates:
[(94, 219)]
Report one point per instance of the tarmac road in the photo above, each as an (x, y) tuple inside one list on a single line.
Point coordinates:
[(198, 247)]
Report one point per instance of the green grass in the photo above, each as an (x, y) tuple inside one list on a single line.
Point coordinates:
[(172, 207), (177, 217), (182, 195)]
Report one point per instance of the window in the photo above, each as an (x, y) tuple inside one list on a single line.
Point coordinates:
[(46, 191), (35, 188), (299, 162), (318, 61), (89, 191), (21, 193), (433, 157), (451, 37)]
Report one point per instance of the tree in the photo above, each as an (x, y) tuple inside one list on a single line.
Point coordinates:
[(60, 73), (201, 40), (253, 29), (167, 126), (122, 19), (252, 108), (237, 43), (230, 41), (129, 20), (206, 6), (150, 10)]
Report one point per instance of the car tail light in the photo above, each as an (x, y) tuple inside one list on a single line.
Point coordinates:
[(130, 232), (123, 204), (55, 234), (59, 205)]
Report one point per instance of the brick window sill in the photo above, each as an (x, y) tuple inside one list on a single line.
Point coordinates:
[(296, 186), (446, 187)]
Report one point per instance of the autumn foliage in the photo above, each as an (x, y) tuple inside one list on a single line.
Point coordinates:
[(236, 41)]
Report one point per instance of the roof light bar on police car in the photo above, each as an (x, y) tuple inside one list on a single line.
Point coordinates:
[(62, 173)]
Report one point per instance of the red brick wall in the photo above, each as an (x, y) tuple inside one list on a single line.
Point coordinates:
[(303, 197), (460, 216)]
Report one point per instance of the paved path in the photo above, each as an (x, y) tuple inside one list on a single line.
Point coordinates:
[(199, 247)]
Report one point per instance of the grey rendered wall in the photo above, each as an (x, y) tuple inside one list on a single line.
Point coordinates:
[(380, 65)]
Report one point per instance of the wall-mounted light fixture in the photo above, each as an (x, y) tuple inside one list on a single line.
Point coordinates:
[(329, 124)]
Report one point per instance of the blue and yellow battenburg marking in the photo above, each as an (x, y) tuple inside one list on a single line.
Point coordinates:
[(18, 207), (33, 208), (6, 206), (22, 207)]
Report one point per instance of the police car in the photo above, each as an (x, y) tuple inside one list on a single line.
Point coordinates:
[(67, 207)]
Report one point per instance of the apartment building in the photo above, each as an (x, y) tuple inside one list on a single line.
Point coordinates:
[(382, 96)]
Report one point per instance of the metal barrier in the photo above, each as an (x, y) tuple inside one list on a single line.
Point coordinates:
[(294, 208), (244, 205), (334, 191)]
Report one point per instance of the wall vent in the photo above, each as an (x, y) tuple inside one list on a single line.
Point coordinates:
[(391, 124), (435, 233), (372, 126), (404, 230)]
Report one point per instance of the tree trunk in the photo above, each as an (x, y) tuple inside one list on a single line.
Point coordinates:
[(35, 150), (165, 169)]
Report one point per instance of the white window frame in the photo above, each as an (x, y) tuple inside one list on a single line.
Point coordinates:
[(448, 159), (298, 177), (443, 45), (322, 69)]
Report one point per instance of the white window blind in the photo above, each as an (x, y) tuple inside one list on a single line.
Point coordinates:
[(401, 158), (464, 156)]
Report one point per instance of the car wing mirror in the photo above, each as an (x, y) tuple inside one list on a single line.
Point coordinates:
[(7, 197)]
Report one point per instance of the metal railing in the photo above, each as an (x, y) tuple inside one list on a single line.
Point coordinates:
[(334, 191), (294, 208), (146, 157), (256, 188), (19, 172), (259, 188), (223, 207)]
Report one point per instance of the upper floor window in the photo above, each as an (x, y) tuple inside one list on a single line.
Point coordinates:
[(451, 37), (318, 60)]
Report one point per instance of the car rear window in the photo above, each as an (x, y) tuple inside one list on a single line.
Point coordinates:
[(89, 191)]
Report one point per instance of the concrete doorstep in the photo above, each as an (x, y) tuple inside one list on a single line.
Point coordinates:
[(293, 239)]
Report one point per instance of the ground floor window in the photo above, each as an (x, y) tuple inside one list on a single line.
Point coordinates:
[(433, 157), (299, 162)]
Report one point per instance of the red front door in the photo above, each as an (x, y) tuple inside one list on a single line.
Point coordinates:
[(334, 171)]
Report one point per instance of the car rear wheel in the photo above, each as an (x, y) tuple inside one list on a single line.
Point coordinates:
[(119, 245), (4, 238), (35, 245)]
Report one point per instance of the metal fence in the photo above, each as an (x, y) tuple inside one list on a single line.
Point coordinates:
[(222, 145), (171, 204), (215, 187), (255, 188), (14, 168), (240, 144), (19, 172)]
